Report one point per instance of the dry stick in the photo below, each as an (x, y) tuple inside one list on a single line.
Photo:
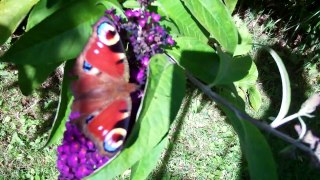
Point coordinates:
[(218, 99)]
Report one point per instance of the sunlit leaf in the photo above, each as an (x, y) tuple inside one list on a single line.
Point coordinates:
[(175, 11), (254, 98), (144, 167), (214, 16), (245, 42), (232, 69), (115, 5), (59, 37), (250, 79), (12, 13), (231, 4), (131, 4)]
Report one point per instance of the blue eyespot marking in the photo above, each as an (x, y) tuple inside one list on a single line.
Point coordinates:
[(109, 148), (114, 140), (89, 118), (102, 28), (86, 66)]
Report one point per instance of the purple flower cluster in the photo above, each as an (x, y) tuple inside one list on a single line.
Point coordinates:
[(146, 37), (77, 155)]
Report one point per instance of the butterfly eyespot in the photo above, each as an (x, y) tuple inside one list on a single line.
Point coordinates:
[(107, 34), (114, 139)]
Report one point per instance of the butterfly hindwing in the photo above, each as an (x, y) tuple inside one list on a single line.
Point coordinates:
[(109, 126)]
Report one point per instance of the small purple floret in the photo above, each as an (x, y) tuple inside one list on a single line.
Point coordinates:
[(129, 13), (170, 41), (155, 17), (145, 61), (141, 76), (74, 115), (82, 171), (73, 160)]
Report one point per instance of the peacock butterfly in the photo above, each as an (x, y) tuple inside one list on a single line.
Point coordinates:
[(102, 102)]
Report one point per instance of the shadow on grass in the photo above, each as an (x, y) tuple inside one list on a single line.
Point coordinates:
[(49, 91), (161, 172), (45, 105), (291, 164)]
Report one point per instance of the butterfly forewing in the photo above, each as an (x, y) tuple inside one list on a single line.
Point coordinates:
[(101, 90)]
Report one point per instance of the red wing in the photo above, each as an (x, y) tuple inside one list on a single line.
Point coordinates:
[(114, 64), (108, 127), (104, 53)]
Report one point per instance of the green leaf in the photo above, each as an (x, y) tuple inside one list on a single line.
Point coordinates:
[(131, 4), (232, 69), (245, 45), (114, 4), (258, 154), (144, 167), (64, 108), (171, 27), (253, 144), (12, 13), (231, 4), (197, 57), (247, 85), (250, 79), (175, 11), (31, 76), (59, 37), (214, 16), (43, 9), (165, 90), (254, 98)]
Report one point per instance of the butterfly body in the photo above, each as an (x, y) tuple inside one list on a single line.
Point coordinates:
[(101, 91)]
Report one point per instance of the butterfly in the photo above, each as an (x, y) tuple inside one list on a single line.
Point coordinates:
[(102, 90)]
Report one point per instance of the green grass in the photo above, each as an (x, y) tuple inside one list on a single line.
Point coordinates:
[(202, 145), (23, 121)]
